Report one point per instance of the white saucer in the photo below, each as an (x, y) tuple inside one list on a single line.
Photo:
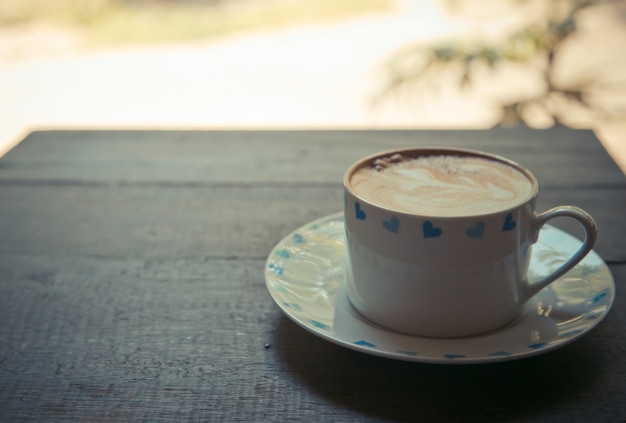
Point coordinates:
[(305, 275)]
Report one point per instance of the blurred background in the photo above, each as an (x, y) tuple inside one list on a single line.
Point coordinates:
[(307, 64)]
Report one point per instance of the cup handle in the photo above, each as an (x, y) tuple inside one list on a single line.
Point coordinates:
[(591, 233)]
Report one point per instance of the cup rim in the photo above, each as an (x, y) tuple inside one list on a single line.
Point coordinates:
[(433, 151)]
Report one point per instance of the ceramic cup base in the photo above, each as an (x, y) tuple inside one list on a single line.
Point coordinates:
[(418, 311)]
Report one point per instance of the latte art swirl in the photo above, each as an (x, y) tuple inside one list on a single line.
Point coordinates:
[(441, 185)]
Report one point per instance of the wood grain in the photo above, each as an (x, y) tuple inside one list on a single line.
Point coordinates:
[(108, 340), (132, 283), (560, 156), (213, 220)]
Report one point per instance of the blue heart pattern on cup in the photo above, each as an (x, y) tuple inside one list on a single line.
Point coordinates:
[(392, 225), (476, 231), (360, 214), (509, 223), (430, 230)]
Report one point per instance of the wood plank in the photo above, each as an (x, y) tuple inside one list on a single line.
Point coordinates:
[(287, 156), (103, 340), (208, 221), (95, 339), (154, 221), (132, 283)]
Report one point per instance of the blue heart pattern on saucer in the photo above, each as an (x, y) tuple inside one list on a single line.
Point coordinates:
[(284, 255), (290, 253), (430, 230)]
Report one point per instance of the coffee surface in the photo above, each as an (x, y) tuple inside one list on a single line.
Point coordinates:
[(441, 185)]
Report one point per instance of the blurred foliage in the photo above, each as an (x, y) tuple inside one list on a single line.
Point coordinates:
[(538, 43), (140, 21)]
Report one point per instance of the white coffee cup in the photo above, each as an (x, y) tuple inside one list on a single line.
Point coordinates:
[(460, 266)]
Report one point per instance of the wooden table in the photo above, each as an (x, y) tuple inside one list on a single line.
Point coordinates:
[(132, 283)]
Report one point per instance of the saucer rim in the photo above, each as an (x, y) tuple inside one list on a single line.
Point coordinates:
[(340, 295)]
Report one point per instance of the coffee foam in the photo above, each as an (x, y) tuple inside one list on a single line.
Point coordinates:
[(441, 185)]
